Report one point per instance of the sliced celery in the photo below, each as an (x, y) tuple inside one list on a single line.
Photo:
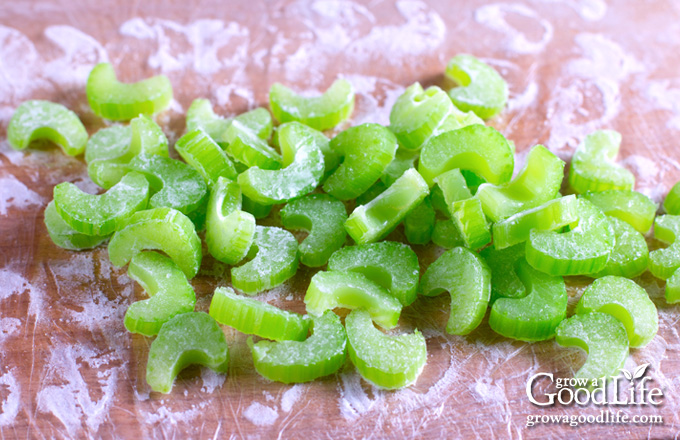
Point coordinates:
[(446, 234), (503, 264), (249, 149), (663, 262), (201, 115), (673, 288), (403, 160), (453, 188), (65, 236), (199, 150), (470, 220), (593, 168), (256, 209), (419, 223), (371, 193), (630, 206), (630, 255), (481, 88), (671, 203)]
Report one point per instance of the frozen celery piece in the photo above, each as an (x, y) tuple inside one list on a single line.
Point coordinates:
[(419, 223), (276, 260), (119, 101), (593, 168), (663, 262), (470, 220), (446, 234), (371, 193), (256, 209), (403, 160), (321, 354), (600, 335), (229, 231), (630, 255), (323, 216), (535, 316), (673, 288), (503, 265), (630, 206), (476, 148), (201, 115), (481, 88), (101, 214), (352, 290), (671, 203), (373, 221), (453, 188), (386, 361), (625, 301), (199, 150), (583, 250), (43, 120), (538, 182), (65, 236), (319, 112), (438, 200), (258, 121), (392, 265), (467, 278), (246, 147), (189, 338), (459, 119), (367, 149), (164, 229), (303, 163), (169, 290), (254, 317), (551, 215)]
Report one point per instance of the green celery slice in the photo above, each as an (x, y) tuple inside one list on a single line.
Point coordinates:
[(276, 260), (446, 234), (352, 290), (319, 112), (323, 216), (453, 188), (592, 167), (583, 250), (201, 115), (371, 193), (630, 206), (254, 317), (459, 119), (626, 301), (673, 288), (481, 88), (389, 362), (368, 149), (376, 219), (663, 262), (671, 203), (249, 149), (469, 218), (630, 255), (256, 209), (438, 201), (36, 120), (419, 223), (476, 148), (119, 101), (392, 265), (321, 354), (403, 160), (101, 214), (189, 338), (258, 121), (164, 229), (551, 215), (535, 316), (199, 150), (169, 290), (503, 265), (65, 236), (600, 335)]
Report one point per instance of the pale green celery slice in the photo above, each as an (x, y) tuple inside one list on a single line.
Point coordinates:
[(503, 264), (481, 88), (630, 255), (323, 216), (371, 193), (626, 301), (352, 290), (276, 260), (470, 220), (446, 234), (246, 147), (419, 223), (164, 229), (673, 288), (258, 210), (664, 262), (387, 361), (459, 119), (439, 202), (671, 203), (467, 278), (37, 120), (199, 150), (403, 160), (592, 166), (101, 214), (258, 121), (65, 236), (254, 317), (201, 115), (169, 290), (319, 112), (119, 101), (630, 206), (538, 182), (373, 221), (321, 354), (189, 338), (453, 188)]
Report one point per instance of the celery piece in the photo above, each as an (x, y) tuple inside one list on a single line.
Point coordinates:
[(367, 149), (600, 335), (630, 255), (323, 216), (229, 231), (373, 221), (164, 229), (189, 338), (592, 167), (246, 147), (276, 260), (258, 121), (476, 148), (352, 290), (101, 214), (169, 290), (258, 210), (663, 262), (673, 288), (321, 354), (254, 317), (453, 188), (371, 193), (446, 234), (119, 101), (583, 250), (481, 88), (439, 202), (199, 150), (625, 301), (671, 203), (503, 265), (386, 361), (551, 215), (470, 220), (392, 265), (65, 236), (467, 278), (459, 119), (319, 112), (43, 120), (201, 115), (535, 316), (403, 160), (419, 223), (630, 206)]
